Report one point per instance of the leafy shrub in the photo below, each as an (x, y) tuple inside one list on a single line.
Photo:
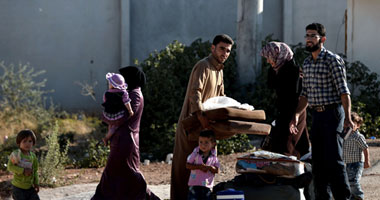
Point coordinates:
[(365, 89), (52, 162), (22, 99), (371, 125), (237, 143), (6, 150), (364, 86), (167, 74), (95, 155)]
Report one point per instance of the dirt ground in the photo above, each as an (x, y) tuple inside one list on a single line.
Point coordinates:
[(158, 173)]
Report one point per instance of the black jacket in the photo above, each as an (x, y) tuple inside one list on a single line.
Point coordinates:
[(288, 85)]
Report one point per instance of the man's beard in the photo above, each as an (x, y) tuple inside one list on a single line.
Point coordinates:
[(218, 59), (314, 47)]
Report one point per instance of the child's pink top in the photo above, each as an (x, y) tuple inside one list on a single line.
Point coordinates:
[(198, 177)]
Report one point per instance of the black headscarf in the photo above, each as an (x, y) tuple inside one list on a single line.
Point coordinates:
[(133, 76)]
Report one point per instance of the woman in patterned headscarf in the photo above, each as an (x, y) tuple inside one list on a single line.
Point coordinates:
[(284, 77)]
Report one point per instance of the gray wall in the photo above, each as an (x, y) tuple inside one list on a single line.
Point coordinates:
[(81, 40), (364, 28), (155, 24), (63, 37), (273, 19), (327, 12)]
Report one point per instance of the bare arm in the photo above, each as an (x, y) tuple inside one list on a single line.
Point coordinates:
[(213, 169), (346, 102), (129, 108), (302, 105), (202, 167), (195, 166), (367, 163)]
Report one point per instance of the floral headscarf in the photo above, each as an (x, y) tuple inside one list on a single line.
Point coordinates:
[(279, 52)]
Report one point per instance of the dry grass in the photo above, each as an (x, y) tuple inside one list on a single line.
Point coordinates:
[(12, 124), (79, 127)]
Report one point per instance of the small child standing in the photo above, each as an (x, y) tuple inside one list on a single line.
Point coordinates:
[(116, 103), (23, 164), (356, 156), (204, 164)]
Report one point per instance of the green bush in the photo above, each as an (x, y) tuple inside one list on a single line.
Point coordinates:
[(237, 143), (22, 98), (6, 150), (371, 125), (95, 156), (167, 74), (364, 86), (52, 163)]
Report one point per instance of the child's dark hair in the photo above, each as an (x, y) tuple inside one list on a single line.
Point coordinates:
[(208, 134), (25, 134), (356, 118)]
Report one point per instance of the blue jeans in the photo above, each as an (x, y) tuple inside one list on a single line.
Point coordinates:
[(354, 172), (329, 170), (199, 193)]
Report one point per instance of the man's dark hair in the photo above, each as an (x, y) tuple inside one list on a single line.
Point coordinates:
[(25, 134), (222, 38), (207, 134), (317, 27)]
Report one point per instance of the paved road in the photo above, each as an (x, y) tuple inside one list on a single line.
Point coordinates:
[(86, 191), (370, 180)]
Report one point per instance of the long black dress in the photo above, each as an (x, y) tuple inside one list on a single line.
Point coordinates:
[(287, 85)]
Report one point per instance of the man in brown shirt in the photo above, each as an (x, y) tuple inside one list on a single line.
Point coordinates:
[(206, 81)]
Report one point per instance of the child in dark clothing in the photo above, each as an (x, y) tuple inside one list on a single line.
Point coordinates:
[(116, 102)]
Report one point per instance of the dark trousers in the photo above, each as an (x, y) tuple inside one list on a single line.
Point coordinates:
[(199, 193), (24, 194), (329, 171)]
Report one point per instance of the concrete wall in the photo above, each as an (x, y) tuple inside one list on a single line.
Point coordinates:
[(72, 40), (81, 40), (327, 12), (363, 31), (155, 24), (273, 19)]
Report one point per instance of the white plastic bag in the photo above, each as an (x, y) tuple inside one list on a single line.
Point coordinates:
[(224, 102)]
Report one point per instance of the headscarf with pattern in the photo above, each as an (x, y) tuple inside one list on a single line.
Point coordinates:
[(279, 52)]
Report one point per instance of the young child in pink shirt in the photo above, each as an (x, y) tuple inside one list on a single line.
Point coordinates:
[(204, 164)]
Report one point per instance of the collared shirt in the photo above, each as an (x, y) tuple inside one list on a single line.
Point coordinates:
[(324, 79), (353, 148), (198, 177)]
